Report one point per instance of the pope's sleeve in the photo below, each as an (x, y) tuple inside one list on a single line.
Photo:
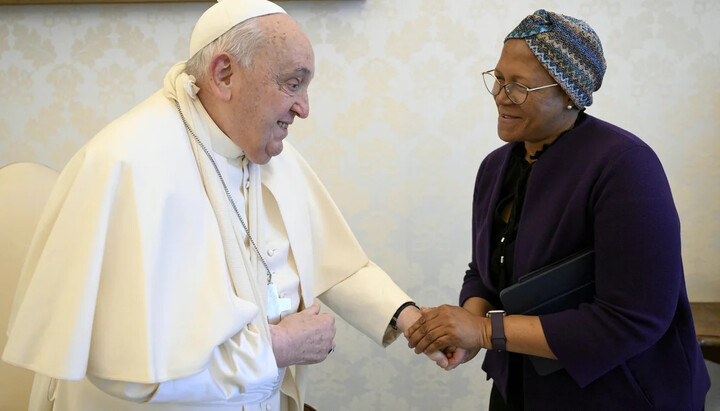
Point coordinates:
[(235, 374), (638, 270), (345, 279), (367, 300)]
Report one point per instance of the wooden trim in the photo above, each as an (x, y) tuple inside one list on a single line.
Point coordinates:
[(706, 316), (46, 2)]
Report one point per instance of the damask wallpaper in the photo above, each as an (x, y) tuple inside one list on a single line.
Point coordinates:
[(400, 121)]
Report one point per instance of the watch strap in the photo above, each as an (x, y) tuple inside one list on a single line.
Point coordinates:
[(497, 325)]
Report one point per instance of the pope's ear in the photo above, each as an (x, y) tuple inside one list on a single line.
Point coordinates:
[(220, 72)]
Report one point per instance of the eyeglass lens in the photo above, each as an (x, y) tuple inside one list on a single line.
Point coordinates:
[(517, 93)]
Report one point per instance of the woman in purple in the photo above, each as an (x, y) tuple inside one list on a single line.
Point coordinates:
[(567, 181)]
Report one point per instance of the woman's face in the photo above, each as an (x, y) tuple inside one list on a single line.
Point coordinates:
[(544, 115)]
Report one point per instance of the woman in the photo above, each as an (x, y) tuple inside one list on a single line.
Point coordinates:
[(565, 182)]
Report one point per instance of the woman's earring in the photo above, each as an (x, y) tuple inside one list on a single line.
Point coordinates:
[(570, 107)]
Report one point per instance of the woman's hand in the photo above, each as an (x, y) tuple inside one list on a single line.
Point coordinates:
[(305, 337), (451, 329)]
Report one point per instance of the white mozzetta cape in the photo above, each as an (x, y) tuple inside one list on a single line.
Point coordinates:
[(127, 279)]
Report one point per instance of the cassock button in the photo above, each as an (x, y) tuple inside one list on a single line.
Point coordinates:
[(270, 252), (247, 183)]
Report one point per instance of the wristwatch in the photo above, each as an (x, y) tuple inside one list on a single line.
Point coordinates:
[(498, 329)]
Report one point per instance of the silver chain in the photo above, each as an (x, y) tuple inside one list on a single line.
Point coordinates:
[(227, 192)]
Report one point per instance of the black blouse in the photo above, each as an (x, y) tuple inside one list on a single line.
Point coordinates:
[(512, 193)]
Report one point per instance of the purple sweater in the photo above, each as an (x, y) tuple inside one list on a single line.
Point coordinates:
[(634, 347)]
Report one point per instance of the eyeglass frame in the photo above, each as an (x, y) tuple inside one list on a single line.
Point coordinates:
[(505, 87)]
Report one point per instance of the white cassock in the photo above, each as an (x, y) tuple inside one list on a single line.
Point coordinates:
[(140, 279)]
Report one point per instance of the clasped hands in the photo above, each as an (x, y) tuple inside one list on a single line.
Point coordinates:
[(448, 335), (451, 330)]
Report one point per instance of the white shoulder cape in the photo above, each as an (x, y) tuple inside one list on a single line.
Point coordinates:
[(126, 278)]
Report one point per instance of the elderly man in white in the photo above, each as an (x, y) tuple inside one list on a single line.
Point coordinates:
[(178, 258)]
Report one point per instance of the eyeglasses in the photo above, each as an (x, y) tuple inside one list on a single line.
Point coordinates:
[(516, 92)]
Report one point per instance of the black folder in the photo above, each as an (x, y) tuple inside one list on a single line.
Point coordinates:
[(560, 286)]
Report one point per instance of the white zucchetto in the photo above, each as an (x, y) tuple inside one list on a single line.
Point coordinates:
[(223, 16)]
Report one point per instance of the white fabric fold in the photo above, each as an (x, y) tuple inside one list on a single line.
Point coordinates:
[(108, 293)]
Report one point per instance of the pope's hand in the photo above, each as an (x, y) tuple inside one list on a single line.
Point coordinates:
[(305, 337), (440, 358), (457, 356), (409, 316)]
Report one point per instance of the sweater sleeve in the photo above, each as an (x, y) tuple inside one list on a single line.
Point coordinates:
[(638, 270), (473, 285)]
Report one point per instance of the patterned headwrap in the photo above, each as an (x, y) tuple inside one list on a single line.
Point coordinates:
[(569, 50)]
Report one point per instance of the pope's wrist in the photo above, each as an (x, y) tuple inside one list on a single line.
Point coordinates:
[(407, 317)]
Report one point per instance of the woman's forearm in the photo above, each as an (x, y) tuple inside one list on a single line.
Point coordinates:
[(525, 335), (478, 306)]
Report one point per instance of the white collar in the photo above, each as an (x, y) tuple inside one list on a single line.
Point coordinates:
[(221, 143)]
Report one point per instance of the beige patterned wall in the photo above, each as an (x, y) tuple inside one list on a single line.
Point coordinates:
[(400, 122)]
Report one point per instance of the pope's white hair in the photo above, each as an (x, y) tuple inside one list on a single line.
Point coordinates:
[(241, 42)]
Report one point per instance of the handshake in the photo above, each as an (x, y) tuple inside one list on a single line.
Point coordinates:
[(448, 335)]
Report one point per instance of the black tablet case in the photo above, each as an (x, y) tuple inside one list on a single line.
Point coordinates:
[(556, 287)]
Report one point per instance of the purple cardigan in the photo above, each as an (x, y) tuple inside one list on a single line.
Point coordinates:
[(634, 347)]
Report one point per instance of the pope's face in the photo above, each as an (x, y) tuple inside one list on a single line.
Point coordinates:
[(273, 91)]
